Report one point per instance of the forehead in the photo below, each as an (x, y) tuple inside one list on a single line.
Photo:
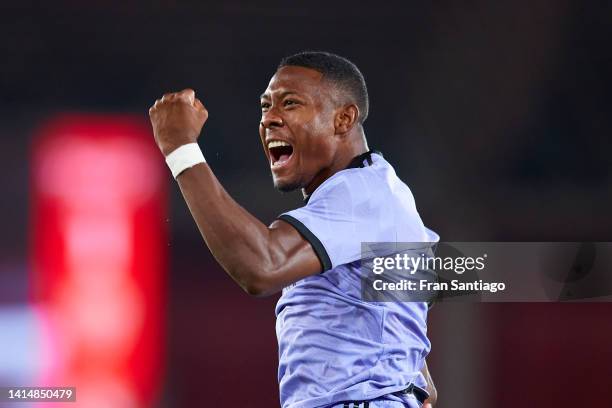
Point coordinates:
[(300, 80)]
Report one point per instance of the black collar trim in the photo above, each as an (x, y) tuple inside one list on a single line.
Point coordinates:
[(357, 161)]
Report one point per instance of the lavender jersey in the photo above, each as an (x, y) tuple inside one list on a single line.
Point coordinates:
[(333, 346)]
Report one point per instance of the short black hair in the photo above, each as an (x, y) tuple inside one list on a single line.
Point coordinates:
[(338, 70)]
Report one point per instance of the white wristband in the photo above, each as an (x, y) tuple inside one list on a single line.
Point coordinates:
[(184, 157)]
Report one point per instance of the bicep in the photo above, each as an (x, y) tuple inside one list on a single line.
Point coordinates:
[(293, 256)]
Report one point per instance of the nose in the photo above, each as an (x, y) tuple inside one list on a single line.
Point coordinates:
[(271, 119)]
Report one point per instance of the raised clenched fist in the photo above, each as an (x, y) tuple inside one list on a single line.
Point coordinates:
[(177, 119)]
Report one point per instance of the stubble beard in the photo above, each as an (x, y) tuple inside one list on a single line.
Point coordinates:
[(287, 187)]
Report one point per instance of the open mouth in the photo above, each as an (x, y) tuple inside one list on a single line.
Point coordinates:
[(280, 152)]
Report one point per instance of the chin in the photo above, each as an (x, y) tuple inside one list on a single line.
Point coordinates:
[(286, 186)]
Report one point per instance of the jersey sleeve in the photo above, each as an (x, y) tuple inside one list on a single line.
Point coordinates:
[(337, 219)]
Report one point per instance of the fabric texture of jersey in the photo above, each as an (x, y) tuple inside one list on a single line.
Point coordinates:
[(333, 346)]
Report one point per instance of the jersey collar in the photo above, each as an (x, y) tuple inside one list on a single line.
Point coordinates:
[(359, 161)]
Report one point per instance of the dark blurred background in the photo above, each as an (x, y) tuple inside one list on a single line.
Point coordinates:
[(496, 114)]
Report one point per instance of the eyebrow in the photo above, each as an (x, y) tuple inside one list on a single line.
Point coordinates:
[(282, 94)]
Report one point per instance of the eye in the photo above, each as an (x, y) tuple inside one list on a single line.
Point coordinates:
[(265, 105), (290, 102)]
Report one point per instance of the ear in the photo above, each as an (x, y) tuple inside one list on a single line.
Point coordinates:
[(346, 117)]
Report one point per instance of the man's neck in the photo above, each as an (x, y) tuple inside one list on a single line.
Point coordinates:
[(356, 149)]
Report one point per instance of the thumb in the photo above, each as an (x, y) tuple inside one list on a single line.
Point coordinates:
[(198, 104)]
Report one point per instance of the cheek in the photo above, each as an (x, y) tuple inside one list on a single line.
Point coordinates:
[(262, 138), (315, 133), (323, 134), (318, 153)]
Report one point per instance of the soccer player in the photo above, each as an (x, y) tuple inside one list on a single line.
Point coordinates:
[(335, 350)]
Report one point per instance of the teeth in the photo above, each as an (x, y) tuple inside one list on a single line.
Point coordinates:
[(277, 143)]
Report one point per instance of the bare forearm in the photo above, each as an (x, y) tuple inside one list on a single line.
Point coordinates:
[(237, 240), (260, 259)]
